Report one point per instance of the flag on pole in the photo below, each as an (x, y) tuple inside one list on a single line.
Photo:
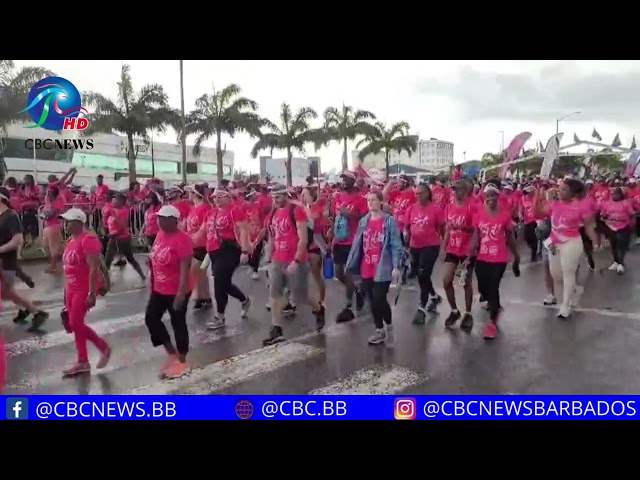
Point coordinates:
[(513, 150), (540, 147), (633, 143), (596, 135), (550, 155), (631, 164), (575, 138), (616, 141)]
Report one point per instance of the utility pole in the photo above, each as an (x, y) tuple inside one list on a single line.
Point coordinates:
[(183, 136)]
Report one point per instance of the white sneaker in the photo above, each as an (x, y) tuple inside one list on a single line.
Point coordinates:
[(613, 267), (550, 300), (638, 241), (620, 269), (564, 312), (255, 276)]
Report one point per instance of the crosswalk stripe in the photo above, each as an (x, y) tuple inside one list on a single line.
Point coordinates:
[(376, 380), (232, 371), (60, 337), (122, 359)]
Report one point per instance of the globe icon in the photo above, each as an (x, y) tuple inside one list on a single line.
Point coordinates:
[(244, 409)]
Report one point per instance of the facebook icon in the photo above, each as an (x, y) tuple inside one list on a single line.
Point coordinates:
[(17, 409)]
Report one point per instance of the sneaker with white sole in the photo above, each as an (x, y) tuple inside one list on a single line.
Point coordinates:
[(613, 267), (378, 337), (550, 300), (620, 269)]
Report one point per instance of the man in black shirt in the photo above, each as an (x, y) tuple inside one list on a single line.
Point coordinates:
[(10, 242)]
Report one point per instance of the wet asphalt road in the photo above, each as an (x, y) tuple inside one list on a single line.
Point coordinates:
[(592, 353)]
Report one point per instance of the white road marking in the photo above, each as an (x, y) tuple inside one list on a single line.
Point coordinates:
[(377, 380), (597, 311), (232, 371), (125, 357)]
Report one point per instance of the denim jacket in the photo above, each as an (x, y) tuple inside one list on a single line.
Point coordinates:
[(390, 256)]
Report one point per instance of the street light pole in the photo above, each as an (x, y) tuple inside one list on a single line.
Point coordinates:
[(502, 141), (562, 118), (183, 136)]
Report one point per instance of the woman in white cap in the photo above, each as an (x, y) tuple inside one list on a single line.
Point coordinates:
[(228, 246), (84, 281), (171, 288)]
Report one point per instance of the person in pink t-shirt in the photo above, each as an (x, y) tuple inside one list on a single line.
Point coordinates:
[(458, 218), (424, 228), (171, 287), (52, 234), (565, 245), (618, 215), (120, 235), (193, 226), (527, 213), (493, 239), (85, 279), (150, 227)]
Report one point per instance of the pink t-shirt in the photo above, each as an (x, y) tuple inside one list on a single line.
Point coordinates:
[(151, 221), (285, 235), (168, 251), (528, 208), (195, 219), (424, 223), (254, 213), (492, 235), (221, 225), (107, 210), (567, 218), (118, 222), (617, 215), (372, 241), (459, 221), (59, 205), (440, 195), (74, 260), (353, 202), (400, 201)]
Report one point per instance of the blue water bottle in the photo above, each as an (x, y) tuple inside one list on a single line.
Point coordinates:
[(327, 267)]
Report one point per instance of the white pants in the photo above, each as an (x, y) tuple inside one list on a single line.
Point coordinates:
[(564, 265)]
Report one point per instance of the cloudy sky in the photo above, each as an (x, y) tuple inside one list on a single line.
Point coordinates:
[(466, 102)]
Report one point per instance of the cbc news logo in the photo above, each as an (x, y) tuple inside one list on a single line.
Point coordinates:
[(404, 409)]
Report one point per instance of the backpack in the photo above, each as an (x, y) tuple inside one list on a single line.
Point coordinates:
[(292, 217), (341, 228)]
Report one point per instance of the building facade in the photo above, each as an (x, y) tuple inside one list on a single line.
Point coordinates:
[(107, 157), (432, 154), (301, 168)]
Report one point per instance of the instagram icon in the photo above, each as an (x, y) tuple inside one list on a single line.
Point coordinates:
[(404, 409)]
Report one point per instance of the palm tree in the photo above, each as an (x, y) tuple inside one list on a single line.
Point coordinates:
[(133, 114), (381, 139), (342, 125), (15, 85), (292, 134), (224, 112)]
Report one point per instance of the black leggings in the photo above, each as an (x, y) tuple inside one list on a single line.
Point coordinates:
[(377, 292), (532, 239), (122, 245), (489, 276), (422, 262), (254, 260), (224, 262), (30, 223), (619, 241), (637, 226), (157, 306)]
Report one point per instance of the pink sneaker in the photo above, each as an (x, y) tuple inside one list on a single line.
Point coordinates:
[(169, 362), (490, 331), (177, 370), (77, 369), (104, 359)]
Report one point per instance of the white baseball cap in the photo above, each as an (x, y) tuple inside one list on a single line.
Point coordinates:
[(169, 211), (74, 215)]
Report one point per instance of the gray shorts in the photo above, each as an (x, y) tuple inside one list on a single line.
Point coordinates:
[(8, 278), (298, 283)]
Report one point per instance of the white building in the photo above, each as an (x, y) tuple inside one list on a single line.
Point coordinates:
[(109, 158), (301, 168), (435, 154), (431, 154)]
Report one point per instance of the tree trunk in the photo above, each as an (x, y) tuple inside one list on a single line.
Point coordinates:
[(219, 155), (288, 167), (386, 165), (131, 157), (345, 161)]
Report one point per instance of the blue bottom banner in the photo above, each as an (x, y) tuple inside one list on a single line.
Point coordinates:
[(320, 407)]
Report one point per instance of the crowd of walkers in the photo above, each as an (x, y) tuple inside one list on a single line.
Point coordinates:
[(374, 234)]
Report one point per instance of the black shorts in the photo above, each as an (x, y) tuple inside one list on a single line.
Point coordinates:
[(199, 253), (341, 254), (457, 260), (600, 225)]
